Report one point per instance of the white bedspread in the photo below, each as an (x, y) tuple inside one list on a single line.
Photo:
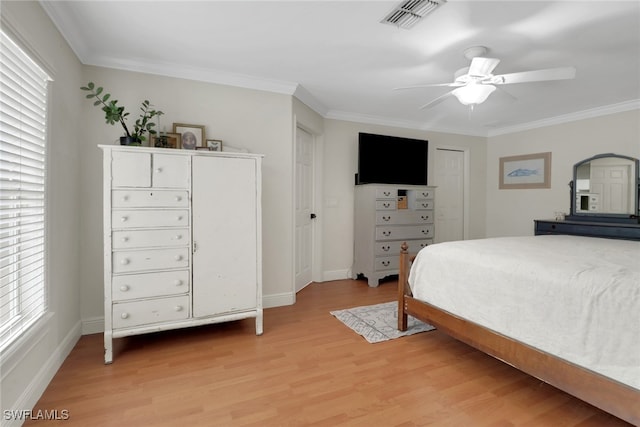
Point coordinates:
[(575, 297)]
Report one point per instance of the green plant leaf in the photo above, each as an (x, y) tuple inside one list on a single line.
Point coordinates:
[(90, 85), (98, 91), (106, 97)]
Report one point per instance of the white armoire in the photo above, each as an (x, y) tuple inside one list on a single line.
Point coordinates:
[(182, 239)]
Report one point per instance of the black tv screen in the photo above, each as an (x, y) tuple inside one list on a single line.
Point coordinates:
[(386, 159)]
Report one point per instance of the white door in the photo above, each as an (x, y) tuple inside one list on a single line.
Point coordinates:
[(449, 179), (224, 235), (612, 184), (303, 209)]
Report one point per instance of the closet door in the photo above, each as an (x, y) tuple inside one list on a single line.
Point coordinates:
[(224, 234)]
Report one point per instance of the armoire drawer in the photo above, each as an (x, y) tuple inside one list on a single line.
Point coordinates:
[(161, 237), (136, 313), (149, 198), (398, 232), (147, 285), (171, 171), (393, 247), (404, 216), (138, 218), (423, 194), (387, 263), (423, 205), (150, 259)]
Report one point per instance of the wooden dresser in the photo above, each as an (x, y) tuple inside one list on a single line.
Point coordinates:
[(612, 230), (182, 239)]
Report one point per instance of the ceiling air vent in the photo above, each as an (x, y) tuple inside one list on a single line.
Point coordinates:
[(408, 13)]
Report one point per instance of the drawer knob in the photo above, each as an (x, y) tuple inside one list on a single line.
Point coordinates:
[(124, 261), (124, 315), (179, 218), (386, 248), (178, 198), (386, 233), (125, 239), (178, 282), (124, 288), (425, 217), (178, 236), (125, 198), (386, 218), (386, 193), (385, 263), (158, 170), (123, 219), (178, 308), (178, 257)]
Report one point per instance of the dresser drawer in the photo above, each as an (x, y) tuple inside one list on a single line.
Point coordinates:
[(130, 239), (386, 263), (130, 169), (399, 232), (152, 259), (421, 205), (393, 247), (134, 286), (149, 199), (386, 193), (404, 217), (136, 313), (386, 205), (422, 194), (171, 171), (138, 218)]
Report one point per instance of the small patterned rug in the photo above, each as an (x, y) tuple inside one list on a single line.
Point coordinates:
[(379, 322)]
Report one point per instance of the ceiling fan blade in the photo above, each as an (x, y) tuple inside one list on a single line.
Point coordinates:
[(562, 73), (437, 100), (423, 86), (481, 67)]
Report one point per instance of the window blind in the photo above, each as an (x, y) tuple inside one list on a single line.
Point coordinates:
[(23, 117)]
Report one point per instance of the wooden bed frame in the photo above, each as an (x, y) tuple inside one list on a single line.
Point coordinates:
[(609, 395)]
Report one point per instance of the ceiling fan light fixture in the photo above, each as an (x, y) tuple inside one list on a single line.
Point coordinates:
[(473, 94), (409, 12)]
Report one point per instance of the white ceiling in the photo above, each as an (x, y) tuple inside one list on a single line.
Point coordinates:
[(339, 59)]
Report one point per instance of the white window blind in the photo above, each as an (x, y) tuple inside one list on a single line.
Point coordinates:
[(23, 116)]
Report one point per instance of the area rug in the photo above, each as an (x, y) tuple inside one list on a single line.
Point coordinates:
[(379, 322)]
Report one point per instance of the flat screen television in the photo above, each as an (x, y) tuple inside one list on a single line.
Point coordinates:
[(386, 159)]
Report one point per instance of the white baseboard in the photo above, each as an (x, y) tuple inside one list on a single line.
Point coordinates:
[(93, 325), (336, 275)]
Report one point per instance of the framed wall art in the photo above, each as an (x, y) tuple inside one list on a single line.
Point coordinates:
[(526, 171), (191, 136)]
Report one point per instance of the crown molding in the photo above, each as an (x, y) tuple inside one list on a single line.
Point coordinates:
[(571, 117)]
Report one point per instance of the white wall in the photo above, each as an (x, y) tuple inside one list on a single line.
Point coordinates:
[(511, 212), (26, 369), (341, 164), (256, 120)]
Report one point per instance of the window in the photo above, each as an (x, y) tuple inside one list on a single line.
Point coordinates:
[(23, 117)]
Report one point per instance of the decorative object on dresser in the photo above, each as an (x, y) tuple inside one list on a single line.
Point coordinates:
[(191, 136), (385, 216), (114, 113), (183, 243), (214, 144)]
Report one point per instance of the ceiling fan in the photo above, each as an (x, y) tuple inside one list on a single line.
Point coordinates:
[(475, 83)]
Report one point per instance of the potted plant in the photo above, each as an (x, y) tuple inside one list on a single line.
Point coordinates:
[(113, 113)]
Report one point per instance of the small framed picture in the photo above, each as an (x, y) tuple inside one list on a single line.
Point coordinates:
[(214, 144), (166, 140), (191, 136)]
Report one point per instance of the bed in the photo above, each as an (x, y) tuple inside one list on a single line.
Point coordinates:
[(544, 304)]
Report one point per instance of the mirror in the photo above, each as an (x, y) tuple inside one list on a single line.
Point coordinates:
[(605, 187)]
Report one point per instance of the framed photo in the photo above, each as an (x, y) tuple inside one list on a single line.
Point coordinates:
[(166, 140), (214, 144), (192, 136), (528, 171)]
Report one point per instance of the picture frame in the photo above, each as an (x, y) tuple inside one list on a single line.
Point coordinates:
[(166, 140), (525, 171), (191, 136), (214, 144)]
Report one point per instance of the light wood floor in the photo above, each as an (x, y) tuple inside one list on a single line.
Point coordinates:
[(308, 369)]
